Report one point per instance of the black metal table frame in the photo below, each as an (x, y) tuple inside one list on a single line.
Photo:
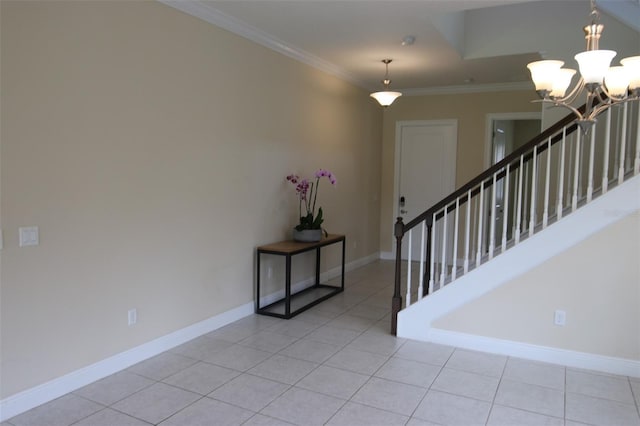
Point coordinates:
[(305, 247)]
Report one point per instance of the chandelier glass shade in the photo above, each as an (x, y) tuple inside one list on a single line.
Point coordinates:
[(605, 85), (386, 97)]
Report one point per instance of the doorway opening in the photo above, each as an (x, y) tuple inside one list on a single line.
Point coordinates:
[(506, 133)]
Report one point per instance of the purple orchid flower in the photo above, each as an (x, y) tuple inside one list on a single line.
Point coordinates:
[(307, 196)]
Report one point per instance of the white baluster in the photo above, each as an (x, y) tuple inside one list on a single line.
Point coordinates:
[(623, 141), (514, 211), (525, 199), (636, 161), (505, 208), (436, 254), (432, 255), (467, 232), (421, 279), (443, 270), (454, 267), (576, 173), (409, 268), (570, 165), (605, 161), (547, 179), (534, 178), (592, 145), (492, 225), (560, 204), (629, 155), (480, 219), (474, 223), (519, 204)]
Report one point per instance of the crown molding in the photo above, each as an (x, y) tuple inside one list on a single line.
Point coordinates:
[(469, 88), (210, 14), (205, 11)]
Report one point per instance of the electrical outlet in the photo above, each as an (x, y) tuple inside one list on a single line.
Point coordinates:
[(132, 317), (560, 318)]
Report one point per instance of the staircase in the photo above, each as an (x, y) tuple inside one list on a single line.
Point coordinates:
[(538, 196)]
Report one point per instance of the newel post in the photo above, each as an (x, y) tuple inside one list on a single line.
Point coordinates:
[(396, 302)]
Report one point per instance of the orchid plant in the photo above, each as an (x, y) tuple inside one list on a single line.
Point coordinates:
[(307, 194)]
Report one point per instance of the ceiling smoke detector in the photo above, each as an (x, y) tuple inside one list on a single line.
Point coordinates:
[(408, 40)]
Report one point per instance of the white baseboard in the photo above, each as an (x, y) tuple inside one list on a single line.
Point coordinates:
[(31, 398), (38, 395), (387, 255), (607, 364)]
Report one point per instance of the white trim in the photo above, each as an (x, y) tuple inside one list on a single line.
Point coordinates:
[(488, 132), (205, 11), (45, 392), (396, 172), (387, 255), (607, 364)]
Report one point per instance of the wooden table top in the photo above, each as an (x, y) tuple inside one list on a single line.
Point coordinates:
[(290, 246)]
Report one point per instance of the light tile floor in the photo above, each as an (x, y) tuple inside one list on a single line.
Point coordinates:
[(336, 364)]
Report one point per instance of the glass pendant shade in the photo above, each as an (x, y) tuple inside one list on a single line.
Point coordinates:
[(632, 63), (562, 81), (543, 74), (385, 98), (594, 64), (617, 81)]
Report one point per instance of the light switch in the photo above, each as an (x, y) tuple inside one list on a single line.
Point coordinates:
[(29, 236)]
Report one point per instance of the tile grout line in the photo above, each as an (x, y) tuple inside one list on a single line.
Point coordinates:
[(428, 389), (495, 395)]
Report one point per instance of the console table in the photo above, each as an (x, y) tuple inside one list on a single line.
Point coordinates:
[(293, 304)]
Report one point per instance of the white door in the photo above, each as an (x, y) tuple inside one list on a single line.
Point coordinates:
[(426, 165)]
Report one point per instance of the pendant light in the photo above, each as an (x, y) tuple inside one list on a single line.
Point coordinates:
[(386, 97)]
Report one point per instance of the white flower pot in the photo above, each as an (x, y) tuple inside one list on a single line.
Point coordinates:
[(307, 235)]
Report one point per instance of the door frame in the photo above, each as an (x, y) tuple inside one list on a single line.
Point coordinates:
[(488, 139), (396, 174)]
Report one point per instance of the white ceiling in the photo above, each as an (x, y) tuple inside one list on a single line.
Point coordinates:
[(457, 42)]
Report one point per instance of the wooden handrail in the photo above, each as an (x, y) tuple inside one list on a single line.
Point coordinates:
[(487, 175)]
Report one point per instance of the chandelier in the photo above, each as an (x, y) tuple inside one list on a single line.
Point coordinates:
[(386, 98), (605, 86)]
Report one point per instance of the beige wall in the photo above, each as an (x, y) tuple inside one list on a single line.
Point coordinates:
[(151, 148), (597, 284), (470, 110)]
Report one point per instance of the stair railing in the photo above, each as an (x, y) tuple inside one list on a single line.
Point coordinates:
[(545, 179)]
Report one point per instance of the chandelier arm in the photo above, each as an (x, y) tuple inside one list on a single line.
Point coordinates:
[(597, 110), (573, 109), (604, 106), (573, 95), (558, 104)]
